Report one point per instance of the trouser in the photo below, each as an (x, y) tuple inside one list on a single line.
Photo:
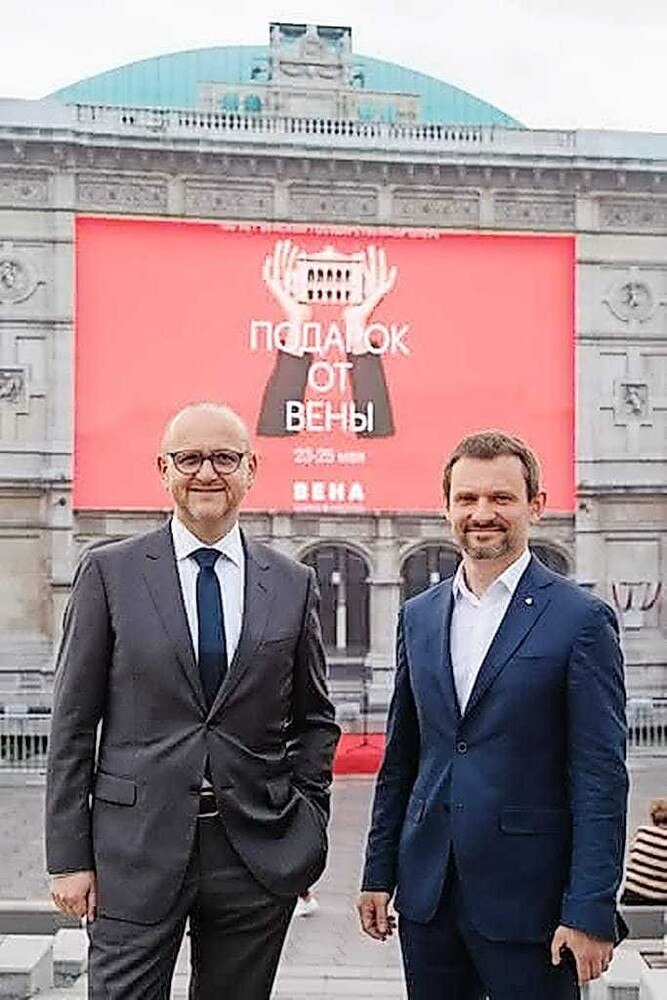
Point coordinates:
[(447, 959), (237, 931)]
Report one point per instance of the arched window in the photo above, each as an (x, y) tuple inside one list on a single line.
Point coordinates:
[(426, 566), (551, 557), (252, 104), (230, 102), (342, 575)]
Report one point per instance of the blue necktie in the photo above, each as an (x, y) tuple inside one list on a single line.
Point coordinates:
[(212, 646)]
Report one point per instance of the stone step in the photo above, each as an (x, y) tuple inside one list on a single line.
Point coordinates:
[(26, 965), (653, 984), (32, 916), (25, 653), (70, 955), (645, 921)]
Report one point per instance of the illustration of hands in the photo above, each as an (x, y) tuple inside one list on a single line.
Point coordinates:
[(279, 274), (292, 277), (379, 279)]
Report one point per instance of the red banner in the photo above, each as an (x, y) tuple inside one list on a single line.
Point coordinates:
[(357, 357)]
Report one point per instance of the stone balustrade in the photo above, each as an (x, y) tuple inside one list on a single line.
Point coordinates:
[(51, 117)]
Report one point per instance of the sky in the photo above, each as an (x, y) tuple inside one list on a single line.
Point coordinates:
[(548, 63)]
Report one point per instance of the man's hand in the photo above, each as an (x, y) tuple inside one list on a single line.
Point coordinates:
[(375, 920), (279, 274), (591, 955), (379, 279), (75, 894)]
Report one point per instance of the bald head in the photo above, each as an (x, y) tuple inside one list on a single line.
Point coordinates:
[(208, 491), (204, 414)]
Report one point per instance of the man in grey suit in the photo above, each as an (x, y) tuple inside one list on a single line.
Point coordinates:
[(197, 653)]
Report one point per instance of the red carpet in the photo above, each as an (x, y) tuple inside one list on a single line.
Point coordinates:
[(358, 754)]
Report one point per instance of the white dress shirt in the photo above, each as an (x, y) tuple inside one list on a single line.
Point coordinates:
[(475, 621), (230, 571)]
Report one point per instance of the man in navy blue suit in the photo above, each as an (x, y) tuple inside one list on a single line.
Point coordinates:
[(499, 812)]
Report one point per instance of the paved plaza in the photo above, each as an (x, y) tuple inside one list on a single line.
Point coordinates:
[(325, 955)]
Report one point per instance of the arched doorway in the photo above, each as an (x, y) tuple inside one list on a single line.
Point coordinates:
[(343, 578), (426, 566)]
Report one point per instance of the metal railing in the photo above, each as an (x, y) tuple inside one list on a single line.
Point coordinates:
[(24, 738), (24, 742), (647, 725)]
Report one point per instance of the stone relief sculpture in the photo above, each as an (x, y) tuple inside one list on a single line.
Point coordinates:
[(17, 279), (635, 399), (633, 599), (12, 385), (631, 299)]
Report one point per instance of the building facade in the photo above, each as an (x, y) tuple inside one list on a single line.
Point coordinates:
[(304, 131)]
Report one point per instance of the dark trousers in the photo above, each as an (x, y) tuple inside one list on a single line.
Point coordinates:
[(237, 932), (447, 959)]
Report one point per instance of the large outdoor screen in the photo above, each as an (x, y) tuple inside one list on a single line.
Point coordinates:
[(358, 357)]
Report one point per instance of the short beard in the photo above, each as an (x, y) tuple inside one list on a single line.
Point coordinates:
[(501, 548)]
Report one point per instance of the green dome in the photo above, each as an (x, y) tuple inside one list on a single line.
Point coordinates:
[(173, 81)]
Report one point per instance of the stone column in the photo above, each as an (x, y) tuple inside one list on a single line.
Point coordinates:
[(60, 555), (384, 604)]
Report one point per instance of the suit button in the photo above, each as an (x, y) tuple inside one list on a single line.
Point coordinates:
[(458, 806), (462, 747)]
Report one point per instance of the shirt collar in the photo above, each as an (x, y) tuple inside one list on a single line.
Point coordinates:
[(185, 543), (509, 578)]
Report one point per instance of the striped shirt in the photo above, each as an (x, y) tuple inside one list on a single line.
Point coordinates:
[(646, 872)]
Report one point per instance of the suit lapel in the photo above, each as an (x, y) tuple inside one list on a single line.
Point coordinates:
[(434, 640), (161, 576), (257, 601), (528, 603), (447, 673)]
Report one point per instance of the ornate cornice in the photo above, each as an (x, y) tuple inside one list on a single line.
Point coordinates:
[(437, 207), (129, 194), (529, 210), (634, 214), (24, 189), (333, 202), (362, 186), (228, 199), (31, 160)]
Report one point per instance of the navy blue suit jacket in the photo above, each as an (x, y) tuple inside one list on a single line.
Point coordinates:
[(528, 788)]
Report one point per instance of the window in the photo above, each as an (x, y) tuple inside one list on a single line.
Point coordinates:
[(342, 576), (427, 566), (252, 104)]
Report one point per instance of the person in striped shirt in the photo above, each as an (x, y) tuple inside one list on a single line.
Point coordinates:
[(646, 871)]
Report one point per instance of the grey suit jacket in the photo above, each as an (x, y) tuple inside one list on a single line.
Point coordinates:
[(128, 810)]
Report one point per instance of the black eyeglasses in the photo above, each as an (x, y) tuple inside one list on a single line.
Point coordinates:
[(224, 461)]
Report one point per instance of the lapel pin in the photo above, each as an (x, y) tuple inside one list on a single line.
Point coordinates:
[(528, 601)]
